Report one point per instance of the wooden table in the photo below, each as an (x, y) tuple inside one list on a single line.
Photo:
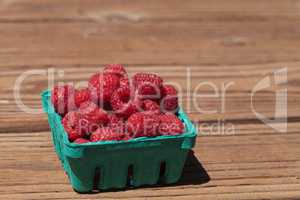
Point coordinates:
[(220, 42)]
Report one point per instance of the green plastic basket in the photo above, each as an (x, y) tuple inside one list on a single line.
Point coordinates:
[(120, 164)]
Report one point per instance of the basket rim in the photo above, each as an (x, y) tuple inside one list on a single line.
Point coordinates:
[(191, 131)]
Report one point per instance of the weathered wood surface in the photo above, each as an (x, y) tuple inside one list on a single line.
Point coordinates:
[(218, 41)]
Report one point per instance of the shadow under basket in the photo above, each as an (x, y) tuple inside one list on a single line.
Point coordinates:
[(120, 164)]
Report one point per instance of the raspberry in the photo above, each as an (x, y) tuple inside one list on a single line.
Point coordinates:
[(139, 78), (102, 86), (116, 69), (82, 96), (62, 98), (143, 124), (147, 85), (116, 123), (149, 105), (94, 115), (106, 134), (113, 119), (169, 101), (170, 124), (81, 141), (71, 123), (124, 82), (122, 103)]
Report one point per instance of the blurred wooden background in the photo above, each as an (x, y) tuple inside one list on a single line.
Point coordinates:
[(222, 42)]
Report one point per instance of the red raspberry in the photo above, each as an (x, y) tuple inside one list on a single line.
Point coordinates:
[(106, 134), (147, 85), (62, 98), (116, 69), (143, 124), (124, 82), (123, 103), (113, 119), (169, 102), (102, 86), (94, 115), (149, 105), (81, 141), (72, 126), (82, 96), (139, 78), (170, 124), (116, 123)]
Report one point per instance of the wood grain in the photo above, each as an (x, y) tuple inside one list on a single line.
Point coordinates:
[(219, 42), (190, 33), (237, 97), (242, 167)]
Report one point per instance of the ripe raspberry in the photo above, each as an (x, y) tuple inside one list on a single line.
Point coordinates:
[(116, 69), (72, 126), (169, 101), (124, 82), (102, 86), (81, 141), (62, 98), (82, 96), (143, 124), (123, 103), (94, 115), (149, 105), (170, 124), (106, 134), (113, 119), (139, 78), (116, 123), (147, 85)]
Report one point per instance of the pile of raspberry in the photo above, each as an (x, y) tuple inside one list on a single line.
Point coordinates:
[(115, 107)]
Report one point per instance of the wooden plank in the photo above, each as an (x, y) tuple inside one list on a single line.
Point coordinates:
[(102, 43), (292, 193), (238, 166), (144, 10), (236, 97), (208, 30)]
